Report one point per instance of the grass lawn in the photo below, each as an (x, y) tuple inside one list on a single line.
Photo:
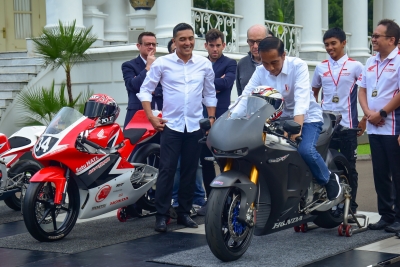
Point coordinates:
[(363, 149)]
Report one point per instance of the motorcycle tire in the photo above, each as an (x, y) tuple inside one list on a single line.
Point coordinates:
[(326, 219), (148, 154), (29, 168), (218, 235), (40, 214)]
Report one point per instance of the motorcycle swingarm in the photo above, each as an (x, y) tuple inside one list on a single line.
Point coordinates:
[(239, 180), (8, 193)]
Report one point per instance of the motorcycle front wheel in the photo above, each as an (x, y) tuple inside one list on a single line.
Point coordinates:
[(28, 168), (46, 221), (227, 238)]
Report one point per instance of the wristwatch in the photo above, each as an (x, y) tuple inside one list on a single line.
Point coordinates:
[(383, 113), (211, 117)]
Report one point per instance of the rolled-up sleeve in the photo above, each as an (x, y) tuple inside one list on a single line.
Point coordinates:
[(151, 81), (209, 93), (302, 90)]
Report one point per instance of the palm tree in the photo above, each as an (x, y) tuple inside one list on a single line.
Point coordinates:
[(41, 104), (64, 46)]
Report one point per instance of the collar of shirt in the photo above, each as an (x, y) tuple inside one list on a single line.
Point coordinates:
[(390, 56), (340, 62), (252, 60), (178, 59), (145, 61)]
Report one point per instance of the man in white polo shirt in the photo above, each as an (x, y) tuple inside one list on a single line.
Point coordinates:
[(380, 100), (289, 75), (337, 76)]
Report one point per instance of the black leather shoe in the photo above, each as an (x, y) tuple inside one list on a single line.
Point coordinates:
[(187, 221), (380, 225), (393, 228), (161, 224)]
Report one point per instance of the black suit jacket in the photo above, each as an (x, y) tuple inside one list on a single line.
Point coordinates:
[(223, 86), (134, 72)]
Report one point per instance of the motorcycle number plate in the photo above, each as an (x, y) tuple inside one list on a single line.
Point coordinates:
[(44, 145)]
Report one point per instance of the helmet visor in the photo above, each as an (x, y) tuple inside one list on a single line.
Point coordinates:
[(95, 109)]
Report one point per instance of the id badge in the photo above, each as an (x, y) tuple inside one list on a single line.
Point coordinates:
[(335, 99), (374, 93)]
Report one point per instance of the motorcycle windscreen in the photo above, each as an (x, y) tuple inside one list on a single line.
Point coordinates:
[(241, 127), (63, 119)]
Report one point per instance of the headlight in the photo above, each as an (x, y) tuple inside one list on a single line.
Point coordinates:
[(233, 153)]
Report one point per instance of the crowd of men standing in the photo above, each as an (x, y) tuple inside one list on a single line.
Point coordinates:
[(188, 87)]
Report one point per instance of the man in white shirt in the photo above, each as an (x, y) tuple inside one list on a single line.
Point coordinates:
[(338, 76), (379, 98), (290, 77), (188, 81)]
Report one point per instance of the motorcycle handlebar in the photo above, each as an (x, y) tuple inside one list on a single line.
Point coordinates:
[(90, 143)]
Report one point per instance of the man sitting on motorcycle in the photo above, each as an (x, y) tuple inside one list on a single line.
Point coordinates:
[(290, 77)]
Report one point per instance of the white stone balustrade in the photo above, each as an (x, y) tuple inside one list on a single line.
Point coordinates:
[(290, 34), (203, 20)]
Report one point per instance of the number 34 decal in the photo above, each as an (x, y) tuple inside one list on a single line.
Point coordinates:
[(45, 144)]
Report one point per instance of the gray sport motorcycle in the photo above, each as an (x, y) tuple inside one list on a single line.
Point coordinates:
[(265, 185)]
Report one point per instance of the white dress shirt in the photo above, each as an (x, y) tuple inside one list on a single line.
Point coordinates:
[(294, 85), (338, 80), (382, 82), (185, 87)]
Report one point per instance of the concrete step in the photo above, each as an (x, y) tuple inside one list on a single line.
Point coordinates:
[(21, 61), (13, 54), (9, 93), (20, 69), (5, 102), (16, 77), (12, 85)]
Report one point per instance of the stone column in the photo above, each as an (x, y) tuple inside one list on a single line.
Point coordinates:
[(391, 10), (93, 17), (116, 24), (253, 13), (325, 15), (358, 28), (377, 13), (170, 13), (64, 10), (308, 14)]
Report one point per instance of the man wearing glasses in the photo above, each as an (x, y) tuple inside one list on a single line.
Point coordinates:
[(248, 64), (379, 98), (134, 72)]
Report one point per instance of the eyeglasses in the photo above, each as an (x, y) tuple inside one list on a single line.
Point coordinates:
[(376, 36), (149, 44), (252, 42)]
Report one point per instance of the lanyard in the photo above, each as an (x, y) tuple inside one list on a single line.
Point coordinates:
[(333, 79), (378, 76)]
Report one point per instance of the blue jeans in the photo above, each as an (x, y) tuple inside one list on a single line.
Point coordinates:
[(309, 153), (199, 193)]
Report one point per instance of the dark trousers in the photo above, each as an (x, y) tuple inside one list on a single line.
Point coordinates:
[(174, 144), (385, 153), (346, 142)]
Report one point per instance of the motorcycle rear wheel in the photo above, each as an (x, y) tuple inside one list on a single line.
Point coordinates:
[(217, 222), (327, 219), (29, 168), (45, 221)]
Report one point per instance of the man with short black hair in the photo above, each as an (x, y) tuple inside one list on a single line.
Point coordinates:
[(171, 46), (337, 76), (134, 72), (248, 64), (379, 98), (225, 71), (289, 76), (188, 81)]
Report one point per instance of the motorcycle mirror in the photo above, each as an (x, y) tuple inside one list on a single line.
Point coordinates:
[(291, 127), (205, 124)]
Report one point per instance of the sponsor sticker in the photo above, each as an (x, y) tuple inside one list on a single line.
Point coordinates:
[(103, 193), (218, 182), (279, 159), (98, 166), (287, 222), (87, 164), (99, 207), (118, 201)]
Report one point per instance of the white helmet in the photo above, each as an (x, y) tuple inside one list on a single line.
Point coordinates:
[(273, 97)]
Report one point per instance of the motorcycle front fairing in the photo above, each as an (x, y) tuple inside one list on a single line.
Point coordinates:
[(240, 137)]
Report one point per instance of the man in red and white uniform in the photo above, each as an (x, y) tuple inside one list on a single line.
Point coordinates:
[(337, 76), (380, 100)]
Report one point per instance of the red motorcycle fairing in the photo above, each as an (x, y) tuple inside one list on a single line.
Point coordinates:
[(4, 144), (107, 135), (52, 174)]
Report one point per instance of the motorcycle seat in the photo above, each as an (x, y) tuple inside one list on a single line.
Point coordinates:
[(134, 135)]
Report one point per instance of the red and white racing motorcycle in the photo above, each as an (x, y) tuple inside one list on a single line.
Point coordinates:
[(87, 172), (17, 165)]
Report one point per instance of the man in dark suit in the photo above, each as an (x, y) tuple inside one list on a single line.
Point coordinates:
[(134, 72), (225, 72)]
